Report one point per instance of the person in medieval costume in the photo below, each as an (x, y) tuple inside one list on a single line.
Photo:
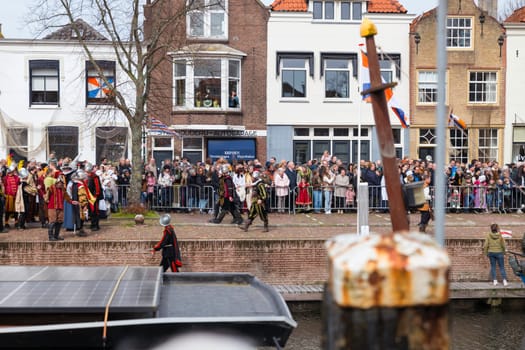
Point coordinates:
[(11, 182), (258, 206), (22, 199), (76, 190), (67, 170), (227, 197), (55, 198), (95, 188), (171, 257)]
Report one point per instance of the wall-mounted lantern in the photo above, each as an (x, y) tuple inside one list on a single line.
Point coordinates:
[(417, 40), (481, 21), (501, 40)]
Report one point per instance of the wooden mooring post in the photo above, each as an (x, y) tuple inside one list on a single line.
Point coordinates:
[(386, 292)]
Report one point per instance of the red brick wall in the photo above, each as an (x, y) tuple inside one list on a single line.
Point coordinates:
[(272, 261)]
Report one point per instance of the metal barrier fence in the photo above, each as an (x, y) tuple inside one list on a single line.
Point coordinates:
[(322, 200)]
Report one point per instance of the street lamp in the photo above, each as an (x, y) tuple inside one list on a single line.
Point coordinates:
[(501, 40)]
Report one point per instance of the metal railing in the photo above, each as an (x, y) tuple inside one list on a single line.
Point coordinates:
[(203, 198)]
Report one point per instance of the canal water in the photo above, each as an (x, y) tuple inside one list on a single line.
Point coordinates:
[(473, 326)]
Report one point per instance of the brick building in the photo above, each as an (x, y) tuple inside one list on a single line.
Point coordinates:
[(209, 50), (475, 85)]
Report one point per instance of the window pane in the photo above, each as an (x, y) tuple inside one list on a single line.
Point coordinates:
[(207, 68), (38, 84), (294, 83), (217, 24), (233, 68), (207, 92), (336, 63), (329, 10), (345, 10), (293, 62), (357, 10), (180, 68), (336, 84), (319, 146), (197, 24), (51, 84), (321, 132), (301, 151), (63, 140), (340, 132), (341, 150), (318, 10), (301, 132), (193, 143), (111, 142), (180, 92)]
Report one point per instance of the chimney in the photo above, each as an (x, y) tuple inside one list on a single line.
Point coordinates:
[(490, 7), (1, 35)]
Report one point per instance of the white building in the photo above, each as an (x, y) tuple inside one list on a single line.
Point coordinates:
[(52, 99), (515, 85), (314, 102)]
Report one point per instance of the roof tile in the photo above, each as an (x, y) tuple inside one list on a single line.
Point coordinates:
[(517, 16), (374, 6)]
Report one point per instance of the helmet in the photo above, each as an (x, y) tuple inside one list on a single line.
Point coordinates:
[(256, 174), (225, 168), (88, 166), (23, 173), (165, 220), (11, 168), (82, 175)]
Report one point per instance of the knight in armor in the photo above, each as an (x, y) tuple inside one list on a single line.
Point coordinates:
[(227, 195), (55, 198), (258, 206)]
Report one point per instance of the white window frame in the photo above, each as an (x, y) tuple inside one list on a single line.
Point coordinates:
[(288, 65), (427, 81), (206, 10), (459, 32), (459, 148), (190, 100), (488, 144), (337, 10), (339, 71), (486, 87)]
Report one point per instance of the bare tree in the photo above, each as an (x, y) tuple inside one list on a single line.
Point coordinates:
[(122, 23)]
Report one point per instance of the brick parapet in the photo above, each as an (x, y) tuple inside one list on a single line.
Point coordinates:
[(287, 261)]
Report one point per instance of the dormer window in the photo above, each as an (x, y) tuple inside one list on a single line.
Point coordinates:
[(207, 19), (329, 10)]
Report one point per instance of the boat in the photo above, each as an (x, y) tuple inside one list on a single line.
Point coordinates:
[(134, 307)]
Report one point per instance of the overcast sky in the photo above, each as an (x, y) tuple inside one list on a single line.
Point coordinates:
[(13, 12)]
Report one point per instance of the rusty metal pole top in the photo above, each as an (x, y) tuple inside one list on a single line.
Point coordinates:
[(392, 270)]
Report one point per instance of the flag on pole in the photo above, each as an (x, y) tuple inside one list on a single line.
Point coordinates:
[(389, 93), (159, 126), (456, 122)]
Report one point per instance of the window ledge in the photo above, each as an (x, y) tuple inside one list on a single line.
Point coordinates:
[(44, 107), (337, 100), (233, 111), (293, 100)]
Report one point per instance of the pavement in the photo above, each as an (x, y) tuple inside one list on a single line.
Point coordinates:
[(195, 226)]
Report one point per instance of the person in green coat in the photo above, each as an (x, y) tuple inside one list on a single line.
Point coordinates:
[(494, 247)]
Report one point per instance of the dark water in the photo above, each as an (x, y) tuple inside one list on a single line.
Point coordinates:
[(473, 326)]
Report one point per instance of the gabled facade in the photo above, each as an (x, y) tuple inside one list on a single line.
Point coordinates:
[(515, 85), (215, 49), (52, 100), (475, 85), (314, 102)]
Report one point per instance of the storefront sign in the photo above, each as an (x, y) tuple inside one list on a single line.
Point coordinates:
[(232, 149), (219, 133)]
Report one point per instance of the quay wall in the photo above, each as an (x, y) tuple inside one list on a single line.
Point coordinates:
[(286, 262)]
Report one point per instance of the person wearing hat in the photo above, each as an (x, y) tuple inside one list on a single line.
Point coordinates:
[(95, 188), (171, 257), (22, 199), (258, 206), (55, 197)]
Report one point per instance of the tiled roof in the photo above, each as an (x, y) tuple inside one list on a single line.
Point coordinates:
[(290, 5), (385, 6), (517, 16), (67, 33), (374, 6)]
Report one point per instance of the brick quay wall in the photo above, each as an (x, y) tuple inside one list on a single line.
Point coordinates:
[(274, 261)]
